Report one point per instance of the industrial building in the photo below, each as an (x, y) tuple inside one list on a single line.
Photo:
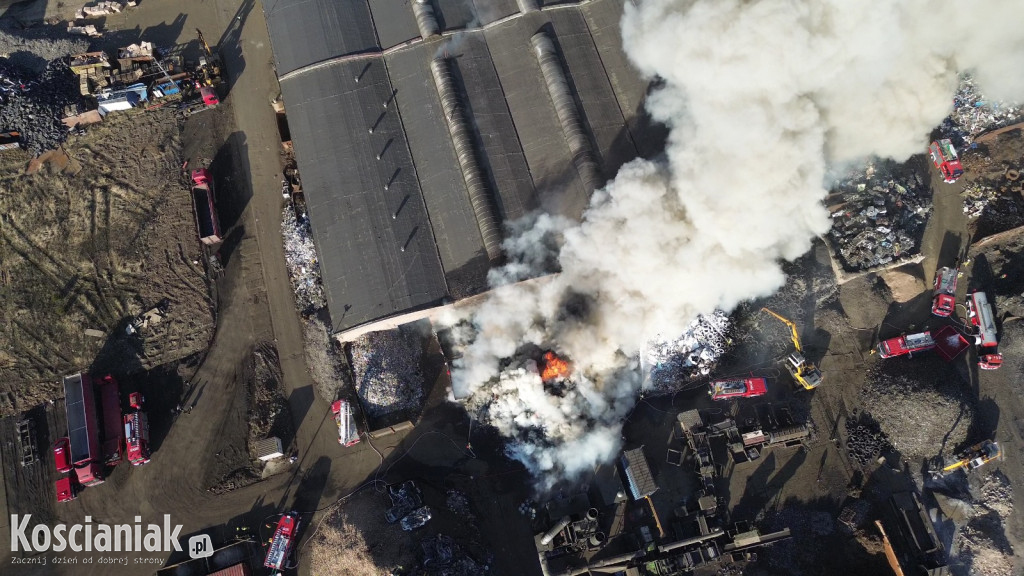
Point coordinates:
[(422, 128)]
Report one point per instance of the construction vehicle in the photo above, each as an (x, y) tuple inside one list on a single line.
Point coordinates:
[(975, 457), (944, 300), (282, 542), (209, 71), (136, 431), (804, 372), (739, 388), (348, 431), (83, 430), (203, 197), (945, 158)]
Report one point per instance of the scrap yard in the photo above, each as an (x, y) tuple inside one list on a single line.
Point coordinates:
[(438, 288)]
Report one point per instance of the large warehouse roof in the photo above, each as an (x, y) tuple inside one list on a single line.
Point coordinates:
[(421, 129)]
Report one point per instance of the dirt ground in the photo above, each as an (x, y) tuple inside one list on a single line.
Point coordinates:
[(89, 240)]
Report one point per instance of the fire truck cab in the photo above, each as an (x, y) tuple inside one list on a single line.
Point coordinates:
[(945, 158)]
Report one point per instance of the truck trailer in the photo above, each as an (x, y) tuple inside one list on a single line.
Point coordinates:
[(83, 430), (203, 198)]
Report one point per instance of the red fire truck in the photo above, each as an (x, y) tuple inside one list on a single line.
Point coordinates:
[(348, 431), (906, 344), (945, 158), (282, 542), (83, 430), (136, 431), (979, 312), (944, 300)]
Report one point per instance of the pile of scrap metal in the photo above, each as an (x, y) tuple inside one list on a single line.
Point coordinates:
[(878, 217)]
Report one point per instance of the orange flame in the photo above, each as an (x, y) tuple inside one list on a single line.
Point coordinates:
[(554, 367)]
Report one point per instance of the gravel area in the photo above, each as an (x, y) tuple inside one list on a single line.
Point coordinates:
[(920, 405), (984, 549), (32, 48), (387, 371)]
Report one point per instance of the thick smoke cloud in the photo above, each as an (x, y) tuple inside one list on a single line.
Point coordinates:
[(761, 97)]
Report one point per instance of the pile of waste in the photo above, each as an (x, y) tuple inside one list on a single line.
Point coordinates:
[(865, 440), (31, 48), (458, 503), (673, 362), (984, 548), (973, 114), (878, 216), (33, 104), (442, 556), (300, 257), (993, 199), (387, 371), (918, 406)]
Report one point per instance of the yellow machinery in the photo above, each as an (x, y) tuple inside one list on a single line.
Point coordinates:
[(805, 373), (975, 457), (208, 73)]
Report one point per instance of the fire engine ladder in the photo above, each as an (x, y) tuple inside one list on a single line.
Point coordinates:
[(278, 548)]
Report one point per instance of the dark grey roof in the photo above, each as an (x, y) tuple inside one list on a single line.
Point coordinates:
[(517, 140), (304, 32)]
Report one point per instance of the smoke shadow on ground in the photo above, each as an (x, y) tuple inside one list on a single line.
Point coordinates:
[(120, 354), (950, 251), (299, 402), (230, 45)]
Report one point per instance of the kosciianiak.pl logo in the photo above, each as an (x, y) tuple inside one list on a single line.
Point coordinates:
[(89, 537)]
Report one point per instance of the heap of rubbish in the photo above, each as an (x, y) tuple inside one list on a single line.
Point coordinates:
[(33, 104), (387, 371), (994, 198), (878, 216), (973, 114), (301, 260), (672, 363)]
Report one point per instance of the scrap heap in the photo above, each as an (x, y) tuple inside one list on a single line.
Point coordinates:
[(33, 104), (300, 257), (387, 370), (972, 114), (878, 216), (672, 362)]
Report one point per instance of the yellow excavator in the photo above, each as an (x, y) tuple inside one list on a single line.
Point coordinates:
[(209, 72), (804, 372), (975, 457)]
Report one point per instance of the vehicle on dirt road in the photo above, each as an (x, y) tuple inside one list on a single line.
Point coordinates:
[(975, 457), (906, 344), (990, 361), (945, 158), (83, 429), (741, 388), (944, 300), (62, 455), (348, 431), (282, 542), (136, 431), (804, 372), (979, 312), (203, 196), (416, 519)]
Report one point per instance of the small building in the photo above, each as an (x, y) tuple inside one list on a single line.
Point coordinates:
[(269, 449), (638, 473)]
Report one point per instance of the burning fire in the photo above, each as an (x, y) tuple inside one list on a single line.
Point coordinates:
[(554, 367)]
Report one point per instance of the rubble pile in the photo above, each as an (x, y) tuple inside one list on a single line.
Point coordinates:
[(918, 406), (972, 114), (878, 216), (995, 198), (387, 371), (984, 548), (672, 362), (442, 556), (300, 257), (32, 48), (33, 104), (458, 503), (865, 440)]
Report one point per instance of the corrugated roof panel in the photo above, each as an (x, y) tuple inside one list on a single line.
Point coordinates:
[(304, 32)]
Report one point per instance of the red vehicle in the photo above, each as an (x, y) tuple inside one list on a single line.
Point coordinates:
[(207, 221), (109, 395), (950, 343), (62, 455), (282, 542), (209, 96), (744, 388), (136, 432), (66, 489), (945, 292), (979, 311), (906, 344), (348, 431), (990, 361), (83, 430), (945, 158)]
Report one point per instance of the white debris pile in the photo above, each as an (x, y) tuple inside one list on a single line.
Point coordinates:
[(387, 370), (672, 362), (984, 548), (973, 114), (916, 407), (301, 259)]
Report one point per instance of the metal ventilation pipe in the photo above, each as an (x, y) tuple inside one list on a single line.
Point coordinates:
[(558, 527), (476, 184), (528, 6), (425, 19), (565, 108)]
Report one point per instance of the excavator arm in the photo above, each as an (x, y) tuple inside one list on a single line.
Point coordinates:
[(792, 327), (202, 42)]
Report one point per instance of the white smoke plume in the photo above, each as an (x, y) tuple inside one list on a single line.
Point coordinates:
[(761, 97)]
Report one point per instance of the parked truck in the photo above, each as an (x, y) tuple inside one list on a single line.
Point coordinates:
[(944, 300), (282, 542), (83, 429), (136, 431), (980, 315), (203, 198), (348, 431), (906, 344)]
